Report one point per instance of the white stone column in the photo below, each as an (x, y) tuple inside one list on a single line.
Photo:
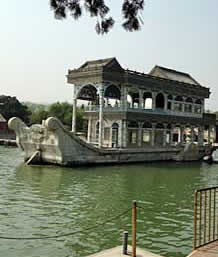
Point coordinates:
[(165, 102), (74, 116), (124, 93), (101, 105), (202, 107), (182, 129), (165, 135), (124, 133), (214, 134), (140, 135), (153, 134), (154, 100), (183, 107), (89, 130), (171, 134), (200, 136), (120, 129), (140, 99), (192, 134), (209, 134), (172, 105)]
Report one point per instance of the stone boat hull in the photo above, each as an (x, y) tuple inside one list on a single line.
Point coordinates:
[(51, 143)]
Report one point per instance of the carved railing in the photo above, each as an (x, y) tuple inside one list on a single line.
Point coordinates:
[(205, 216), (95, 108)]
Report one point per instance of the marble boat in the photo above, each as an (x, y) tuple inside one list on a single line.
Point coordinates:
[(131, 117), (51, 143)]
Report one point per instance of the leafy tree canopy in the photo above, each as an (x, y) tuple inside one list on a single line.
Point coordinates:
[(99, 10), (62, 111), (11, 107)]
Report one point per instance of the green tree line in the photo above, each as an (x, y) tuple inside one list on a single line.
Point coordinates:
[(32, 113), (62, 111)]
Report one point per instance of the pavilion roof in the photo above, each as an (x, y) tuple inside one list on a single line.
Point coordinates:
[(107, 62), (163, 72)]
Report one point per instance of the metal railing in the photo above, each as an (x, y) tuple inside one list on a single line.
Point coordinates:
[(205, 216)]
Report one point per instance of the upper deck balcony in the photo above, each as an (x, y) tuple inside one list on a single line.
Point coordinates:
[(156, 111)]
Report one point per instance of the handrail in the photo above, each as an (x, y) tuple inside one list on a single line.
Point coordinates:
[(205, 216), (95, 108)]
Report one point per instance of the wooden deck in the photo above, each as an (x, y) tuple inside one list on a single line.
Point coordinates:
[(209, 250)]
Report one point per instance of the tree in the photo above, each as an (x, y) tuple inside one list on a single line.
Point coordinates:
[(98, 9), (38, 116), (11, 107), (62, 111)]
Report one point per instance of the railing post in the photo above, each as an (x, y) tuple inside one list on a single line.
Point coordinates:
[(195, 220), (125, 243), (134, 217)]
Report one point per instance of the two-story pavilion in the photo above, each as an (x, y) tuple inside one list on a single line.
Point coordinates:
[(129, 109)]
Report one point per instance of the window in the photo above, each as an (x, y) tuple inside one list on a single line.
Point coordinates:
[(106, 133), (133, 137), (146, 137)]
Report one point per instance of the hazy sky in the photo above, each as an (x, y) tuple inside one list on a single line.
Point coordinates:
[(37, 50)]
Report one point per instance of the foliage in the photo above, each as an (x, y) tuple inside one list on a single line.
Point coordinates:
[(38, 116), (62, 111), (98, 9), (11, 107), (35, 106)]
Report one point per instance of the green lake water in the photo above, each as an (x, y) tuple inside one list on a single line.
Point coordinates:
[(47, 201)]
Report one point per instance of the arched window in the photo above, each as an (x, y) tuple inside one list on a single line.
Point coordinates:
[(169, 126), (133, 98), (198, 101), (147, 125), (179, 99), (88, 93), (133, 124), (188, 104), (160, 101), (198, 106), (189, 100), (112, 96), (147, 100), (159, 126), (178, 104)]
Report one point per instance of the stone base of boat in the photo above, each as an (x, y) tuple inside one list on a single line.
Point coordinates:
[(51, 143)]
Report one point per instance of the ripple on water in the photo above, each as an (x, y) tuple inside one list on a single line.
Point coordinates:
[(37, 201)]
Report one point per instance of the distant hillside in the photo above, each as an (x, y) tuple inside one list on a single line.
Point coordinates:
[(34, 107)]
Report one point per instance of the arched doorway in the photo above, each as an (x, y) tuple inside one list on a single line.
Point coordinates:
[(133, 134), (159, 135), (146, 133)]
